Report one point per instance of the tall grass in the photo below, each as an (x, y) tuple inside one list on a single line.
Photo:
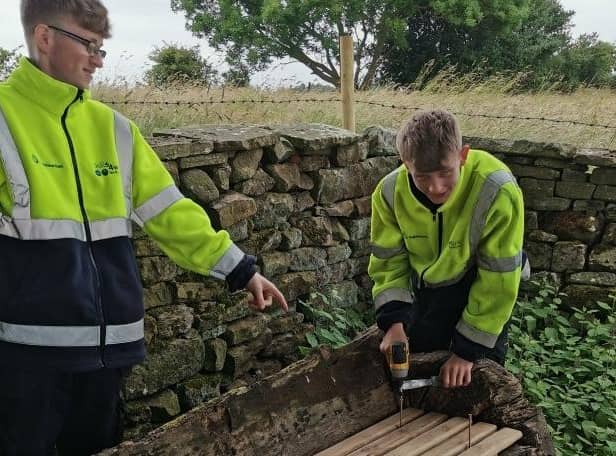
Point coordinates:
[(497, 96)]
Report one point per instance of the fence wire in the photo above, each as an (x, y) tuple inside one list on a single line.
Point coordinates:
[(358, 102)]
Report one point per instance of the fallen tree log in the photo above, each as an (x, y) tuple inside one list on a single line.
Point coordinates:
[(331, 395)]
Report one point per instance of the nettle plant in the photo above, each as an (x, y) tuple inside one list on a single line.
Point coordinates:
[(565, 359), (334, 325)]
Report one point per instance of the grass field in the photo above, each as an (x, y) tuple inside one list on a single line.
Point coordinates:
[(595, 106)]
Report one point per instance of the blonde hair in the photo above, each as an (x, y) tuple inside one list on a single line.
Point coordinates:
[(89, 14), (428, 138)]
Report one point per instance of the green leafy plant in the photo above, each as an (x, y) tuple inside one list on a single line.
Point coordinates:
[(333, 325), (565, 358)]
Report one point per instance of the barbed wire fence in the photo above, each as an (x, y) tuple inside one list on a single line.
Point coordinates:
[(359, 102), (592, 138)]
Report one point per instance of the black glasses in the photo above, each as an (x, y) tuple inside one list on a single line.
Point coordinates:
[(91, 46)]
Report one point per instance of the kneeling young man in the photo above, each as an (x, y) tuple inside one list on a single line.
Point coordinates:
[(447, 234)]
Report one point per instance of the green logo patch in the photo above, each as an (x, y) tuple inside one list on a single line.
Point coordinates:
[(38, 161), (105, 168)]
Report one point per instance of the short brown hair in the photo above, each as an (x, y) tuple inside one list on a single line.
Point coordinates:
[(428, 138), (89, 14)]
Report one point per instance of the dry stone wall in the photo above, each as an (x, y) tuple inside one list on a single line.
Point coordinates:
[(298, 197)]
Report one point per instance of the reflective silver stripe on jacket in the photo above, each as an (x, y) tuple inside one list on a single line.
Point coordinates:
[(499, 264), (386, 253), (389, 188), (474, 334), (69, 336), (124, 148), (14, 170), (487, 195), (393, 294), (227, 263), (158, 203), (22, 226)]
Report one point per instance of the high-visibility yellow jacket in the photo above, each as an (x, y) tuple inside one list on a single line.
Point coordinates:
[(73, 174), (480, 226)]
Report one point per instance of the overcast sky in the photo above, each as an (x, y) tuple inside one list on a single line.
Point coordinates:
[(141, 25)]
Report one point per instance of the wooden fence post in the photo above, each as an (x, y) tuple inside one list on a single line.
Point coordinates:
[(347, 85)]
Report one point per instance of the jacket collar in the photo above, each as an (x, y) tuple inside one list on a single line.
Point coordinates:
[(51, 94)]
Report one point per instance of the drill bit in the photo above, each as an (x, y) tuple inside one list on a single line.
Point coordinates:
[(401, 403), (470, 423)]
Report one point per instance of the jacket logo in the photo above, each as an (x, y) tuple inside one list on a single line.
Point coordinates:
[(454, 244), (105, 169), (37, 161)]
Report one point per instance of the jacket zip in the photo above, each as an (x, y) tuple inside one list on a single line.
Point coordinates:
[(439, 246), (86, 224)]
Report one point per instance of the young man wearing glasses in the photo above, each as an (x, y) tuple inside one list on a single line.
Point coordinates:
[(73, 174)]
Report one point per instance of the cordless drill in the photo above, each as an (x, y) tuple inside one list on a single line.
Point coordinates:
[(398, 360)]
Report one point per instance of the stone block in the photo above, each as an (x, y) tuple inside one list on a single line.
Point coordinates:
[(587, 296), (231, 209), (159, 294), (573, 226), (339, 232), (199, 186), (360, 247), (573, 175), (214, 355), (605, 193), (163, 406), (358, 228), (244, 165), (198, 389), (539, 254), (316, 231), (177, 360), (381, 141), (279, 152), (314, 139), (285, 175), (568, 256), (303, 201), (295, 284), (553, 163), (541, 236), (274, 263), (609, 237), (272, 209), (261, 241), (602, 279), (221, 175), (170, 148), (290, 239), (603, 258), (340, 209), (536, 172), (239, 231), (173, 321), (363, 206), (530, 221), (549, 204), (574, 190), (311, 163), (338, 253), (225, 137), (260, 183), (354, 181), (246, 329), (156, 269), (286, 323), (239, 358), (307, 259), (604, 176), (284, 346), (199, 161), (348, 154), (591, 207), (146, 247), (610, 212)]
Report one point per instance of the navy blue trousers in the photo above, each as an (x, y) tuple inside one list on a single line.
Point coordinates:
[(73, 413)]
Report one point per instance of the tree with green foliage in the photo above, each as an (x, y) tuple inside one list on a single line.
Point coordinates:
[(489, 49), (173, 63), (8, 61), (308, 31), (541, 46)]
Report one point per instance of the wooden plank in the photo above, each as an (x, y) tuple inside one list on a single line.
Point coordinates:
[(430, 439), (372, 433), (459, 442), (401, 435), (490, 446)]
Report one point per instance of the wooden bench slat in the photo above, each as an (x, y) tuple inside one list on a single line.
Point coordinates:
[(459, 442), (372, 433), (430, 439), (401, 435), (490, 446)]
